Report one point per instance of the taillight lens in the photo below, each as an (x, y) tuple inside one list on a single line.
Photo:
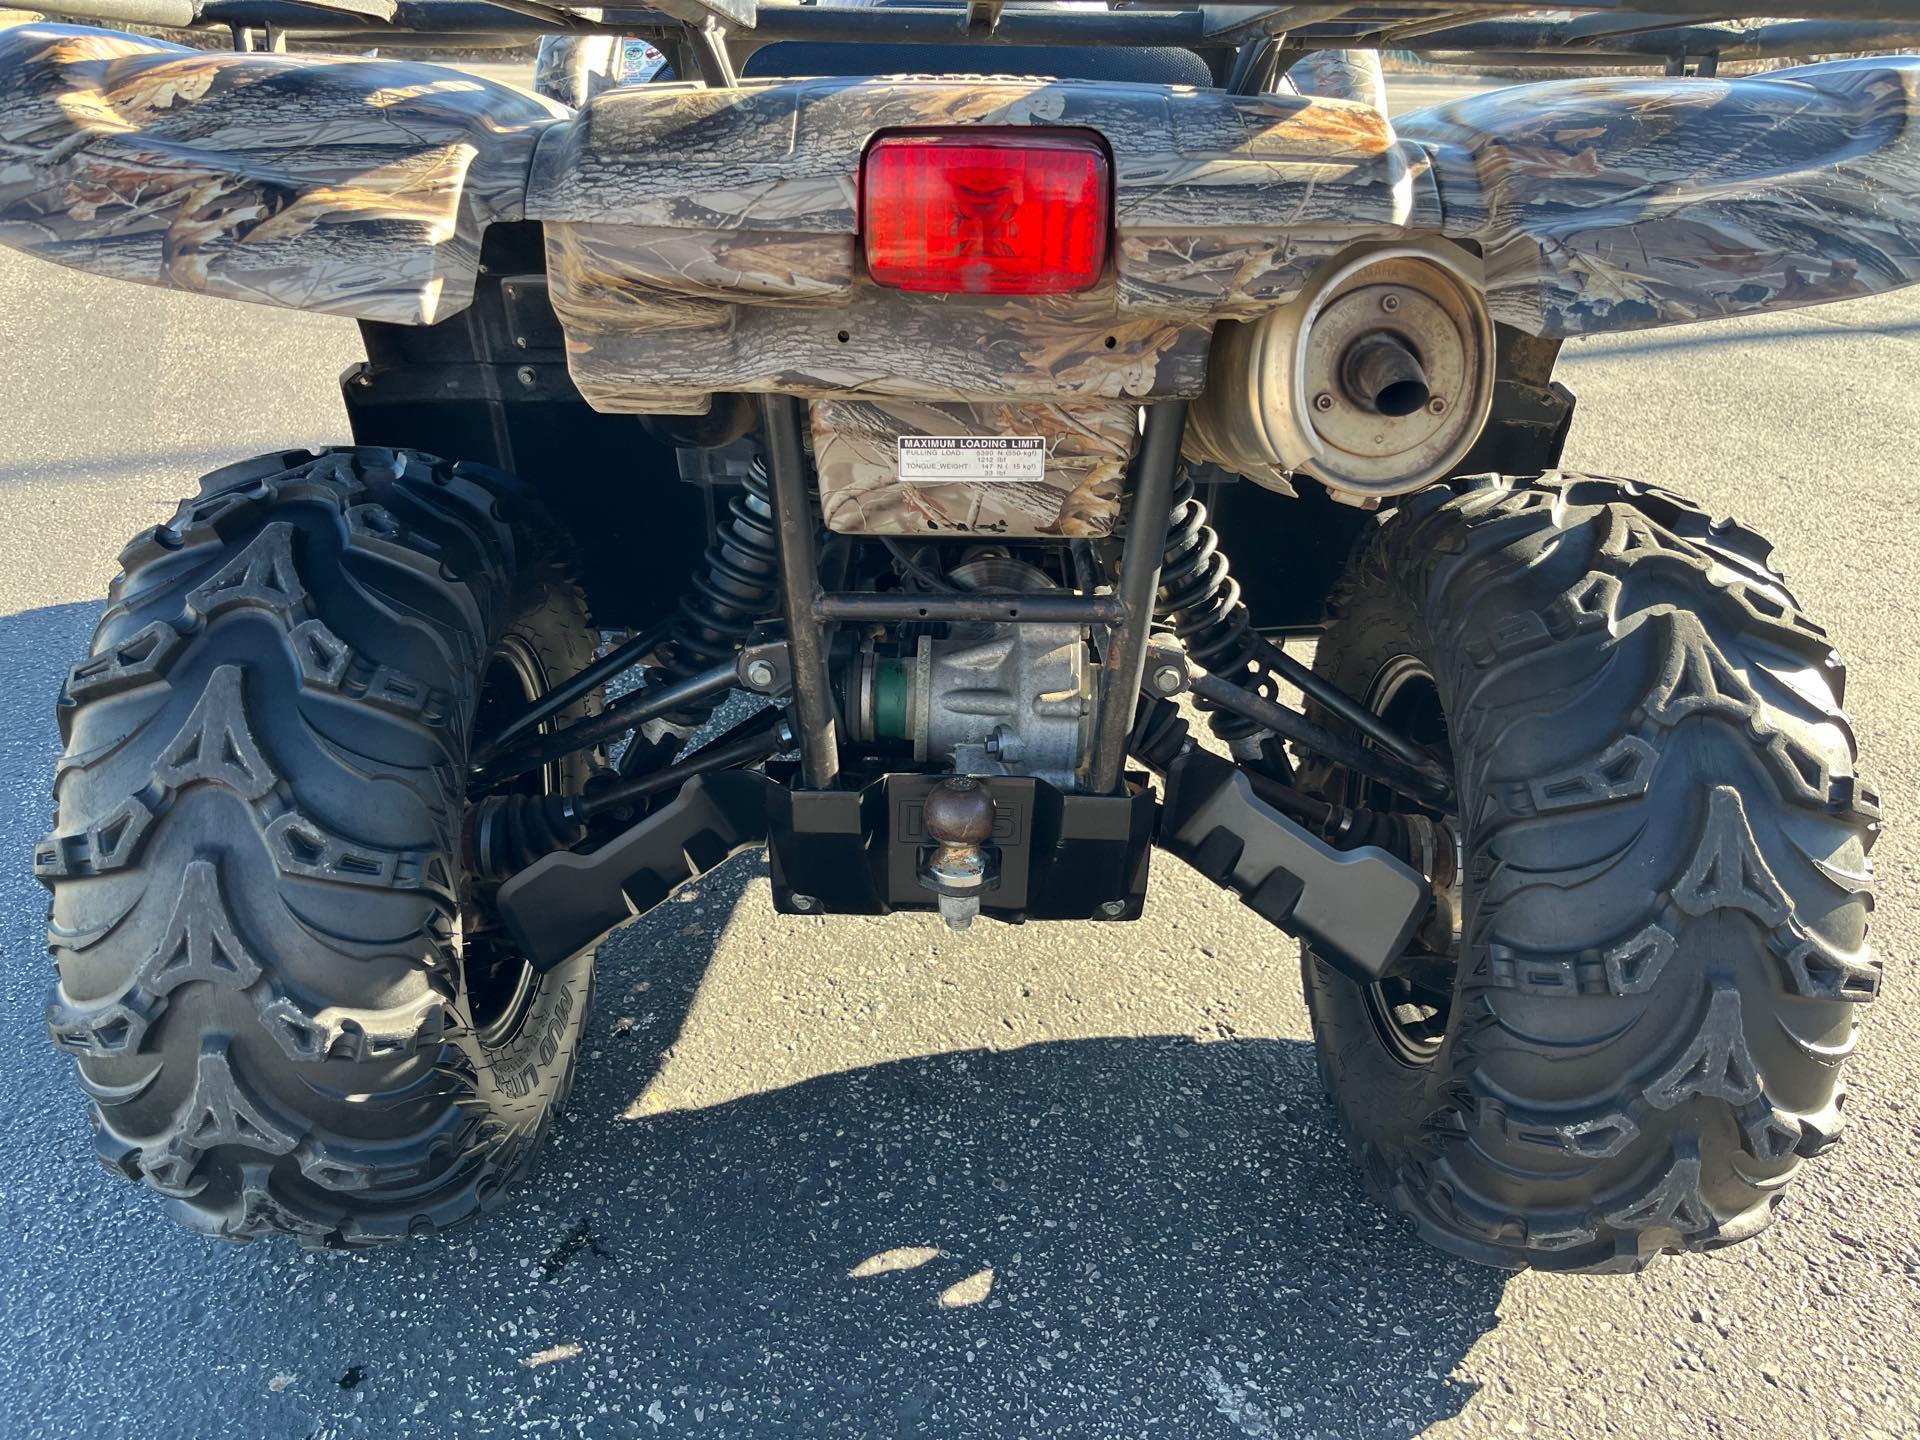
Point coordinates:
[(986, 212)]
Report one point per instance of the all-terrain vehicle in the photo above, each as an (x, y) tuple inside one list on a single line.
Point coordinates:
[(894, 423)]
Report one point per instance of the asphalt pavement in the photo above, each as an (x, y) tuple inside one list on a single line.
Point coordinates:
[(865, 1178)]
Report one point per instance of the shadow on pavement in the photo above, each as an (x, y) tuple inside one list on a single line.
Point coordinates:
[(1761, 330), (1117, 1236), (1139, 1235)]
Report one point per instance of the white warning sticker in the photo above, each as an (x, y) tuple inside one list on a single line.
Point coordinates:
[(971, 459)]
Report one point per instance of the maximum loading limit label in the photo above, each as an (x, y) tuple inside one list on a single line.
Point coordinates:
[(972, 459)]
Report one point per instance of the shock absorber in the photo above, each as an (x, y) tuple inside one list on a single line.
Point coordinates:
[(1200, 600), (738, 587)]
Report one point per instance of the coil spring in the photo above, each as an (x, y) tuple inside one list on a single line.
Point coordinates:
[(1200, 600), (738, 587)]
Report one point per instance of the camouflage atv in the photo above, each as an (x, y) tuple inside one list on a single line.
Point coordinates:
[(895, 426)]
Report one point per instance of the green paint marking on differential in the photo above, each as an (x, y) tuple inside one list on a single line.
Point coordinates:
[(890, 687)]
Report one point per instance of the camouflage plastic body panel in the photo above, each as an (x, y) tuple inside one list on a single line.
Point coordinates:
[(347, 186), (1618, 204), (705, 240), (1088, 450), (867, 340), (702, 240), (1601, 204), (1341, 75), (785, 155)]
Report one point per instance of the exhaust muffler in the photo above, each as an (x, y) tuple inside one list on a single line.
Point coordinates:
[(1376, 379)]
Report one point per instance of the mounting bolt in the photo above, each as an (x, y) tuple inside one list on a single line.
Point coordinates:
[(1167, 679), (1436, 406), (1323, 401), (1390, 303), (761, 674), (526, 375), (1114, 909), (803, 903)]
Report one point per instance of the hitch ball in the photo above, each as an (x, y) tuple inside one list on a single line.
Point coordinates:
[(959, 822)]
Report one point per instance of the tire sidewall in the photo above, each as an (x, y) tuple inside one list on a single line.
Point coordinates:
[(528, 1073), (1383, 1098)]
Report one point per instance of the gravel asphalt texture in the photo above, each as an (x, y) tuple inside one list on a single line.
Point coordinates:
[(863, 1178)]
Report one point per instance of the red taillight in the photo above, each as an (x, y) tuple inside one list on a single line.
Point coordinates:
[(987, 212)]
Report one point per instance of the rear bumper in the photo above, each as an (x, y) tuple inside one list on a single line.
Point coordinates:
[(1055, 857)]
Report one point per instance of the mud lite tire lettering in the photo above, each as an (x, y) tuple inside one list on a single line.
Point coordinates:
[(256, 895), (1666, 858), (518, 1078)]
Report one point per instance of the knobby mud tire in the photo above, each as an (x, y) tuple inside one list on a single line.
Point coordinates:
[(1667, 885), (257, 913)]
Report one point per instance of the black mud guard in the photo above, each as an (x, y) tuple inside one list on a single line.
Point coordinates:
[(1357, 908), (569, 901)]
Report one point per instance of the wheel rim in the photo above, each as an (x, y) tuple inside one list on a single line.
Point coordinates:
[(500, 984), (1410, 1013)]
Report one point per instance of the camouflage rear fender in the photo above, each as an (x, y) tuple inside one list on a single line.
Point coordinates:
[(318, 182), (1619, 204), (704, 240)]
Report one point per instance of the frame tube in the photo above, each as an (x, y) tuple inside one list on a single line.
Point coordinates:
[(1125, 660), (800, 587)]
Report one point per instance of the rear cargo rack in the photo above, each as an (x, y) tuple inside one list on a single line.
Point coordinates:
[(715, 37)]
